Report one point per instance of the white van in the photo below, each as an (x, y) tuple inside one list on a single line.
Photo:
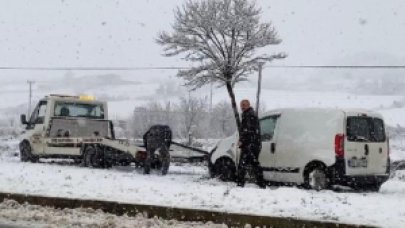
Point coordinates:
[(314, 147)]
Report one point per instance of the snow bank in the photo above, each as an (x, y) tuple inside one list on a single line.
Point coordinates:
[(28, 215), (8, 147), (189, 186)]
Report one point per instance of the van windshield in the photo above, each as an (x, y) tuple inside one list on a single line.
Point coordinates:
[(365, 129), (92, 111)]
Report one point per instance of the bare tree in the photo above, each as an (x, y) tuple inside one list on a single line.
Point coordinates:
[(221, 36), (222, 120), (193, 109)]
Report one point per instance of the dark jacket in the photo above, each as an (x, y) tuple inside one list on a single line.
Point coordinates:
[(250, 129), (157, 135)]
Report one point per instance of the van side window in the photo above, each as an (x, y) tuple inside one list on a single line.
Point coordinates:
[(267, 127), (38, 115)]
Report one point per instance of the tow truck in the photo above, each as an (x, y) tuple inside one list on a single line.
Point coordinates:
[(75, 127)]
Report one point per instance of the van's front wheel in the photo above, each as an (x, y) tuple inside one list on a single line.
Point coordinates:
[(225, 169), (316, 177)]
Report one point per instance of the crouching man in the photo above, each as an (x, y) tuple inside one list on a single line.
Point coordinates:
[(158, 137)]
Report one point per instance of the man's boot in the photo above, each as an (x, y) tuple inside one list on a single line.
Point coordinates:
[(240, 184), (261, 184), (259, 177)]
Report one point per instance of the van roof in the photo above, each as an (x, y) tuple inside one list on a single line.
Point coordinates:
[(347, 111)]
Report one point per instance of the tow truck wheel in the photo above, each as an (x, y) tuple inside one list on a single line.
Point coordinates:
[(225, 169), (77, 161), (26, 153), (92, 158)]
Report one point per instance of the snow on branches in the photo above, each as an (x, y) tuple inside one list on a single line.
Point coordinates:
[(220, 37)]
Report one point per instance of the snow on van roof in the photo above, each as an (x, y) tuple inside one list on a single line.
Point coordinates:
[(348, 111)]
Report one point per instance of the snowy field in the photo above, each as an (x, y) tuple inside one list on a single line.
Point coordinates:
[(189, 186), (24, 215), (131, 91)]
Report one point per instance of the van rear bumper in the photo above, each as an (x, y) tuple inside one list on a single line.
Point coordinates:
[(360, 180), (337, 173)]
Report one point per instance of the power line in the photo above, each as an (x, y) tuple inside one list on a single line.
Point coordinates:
[(185, 68), (93, 68), (340, 66)]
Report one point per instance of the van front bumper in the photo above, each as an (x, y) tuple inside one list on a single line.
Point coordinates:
[(337, 173)]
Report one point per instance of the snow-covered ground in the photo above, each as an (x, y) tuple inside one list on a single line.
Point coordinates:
[(24, 215), (397, 148), (189, 186)]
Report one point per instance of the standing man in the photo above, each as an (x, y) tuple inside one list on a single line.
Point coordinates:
[(158, 137), (250, 144)]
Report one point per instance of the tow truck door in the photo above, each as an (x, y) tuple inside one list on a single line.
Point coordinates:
[(37, 125)]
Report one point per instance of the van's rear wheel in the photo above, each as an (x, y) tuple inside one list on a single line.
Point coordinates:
[(92, 157), (316, 177), (26, 153), (225, 169)]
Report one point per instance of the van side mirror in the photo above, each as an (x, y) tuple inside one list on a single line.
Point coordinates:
[(23, 119)]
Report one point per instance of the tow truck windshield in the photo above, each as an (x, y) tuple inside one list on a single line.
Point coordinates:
[(69, 109)]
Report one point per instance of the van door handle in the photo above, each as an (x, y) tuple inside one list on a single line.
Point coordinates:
[(272, 148), (366, 149)]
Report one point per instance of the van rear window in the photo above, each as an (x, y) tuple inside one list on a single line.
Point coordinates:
[(365, 129)]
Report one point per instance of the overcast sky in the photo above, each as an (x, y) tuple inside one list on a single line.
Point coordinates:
[(121, 33), (94, 33), (50, 33)]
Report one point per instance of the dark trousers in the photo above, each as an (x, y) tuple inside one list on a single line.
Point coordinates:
[(250, 157), (164, 157)]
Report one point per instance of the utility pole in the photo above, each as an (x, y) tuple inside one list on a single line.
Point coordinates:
[(211, 85), (30, 83), (259, 87), (210, 111), (189, 117)]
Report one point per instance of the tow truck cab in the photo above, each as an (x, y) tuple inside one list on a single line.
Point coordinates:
[(72, 127)]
